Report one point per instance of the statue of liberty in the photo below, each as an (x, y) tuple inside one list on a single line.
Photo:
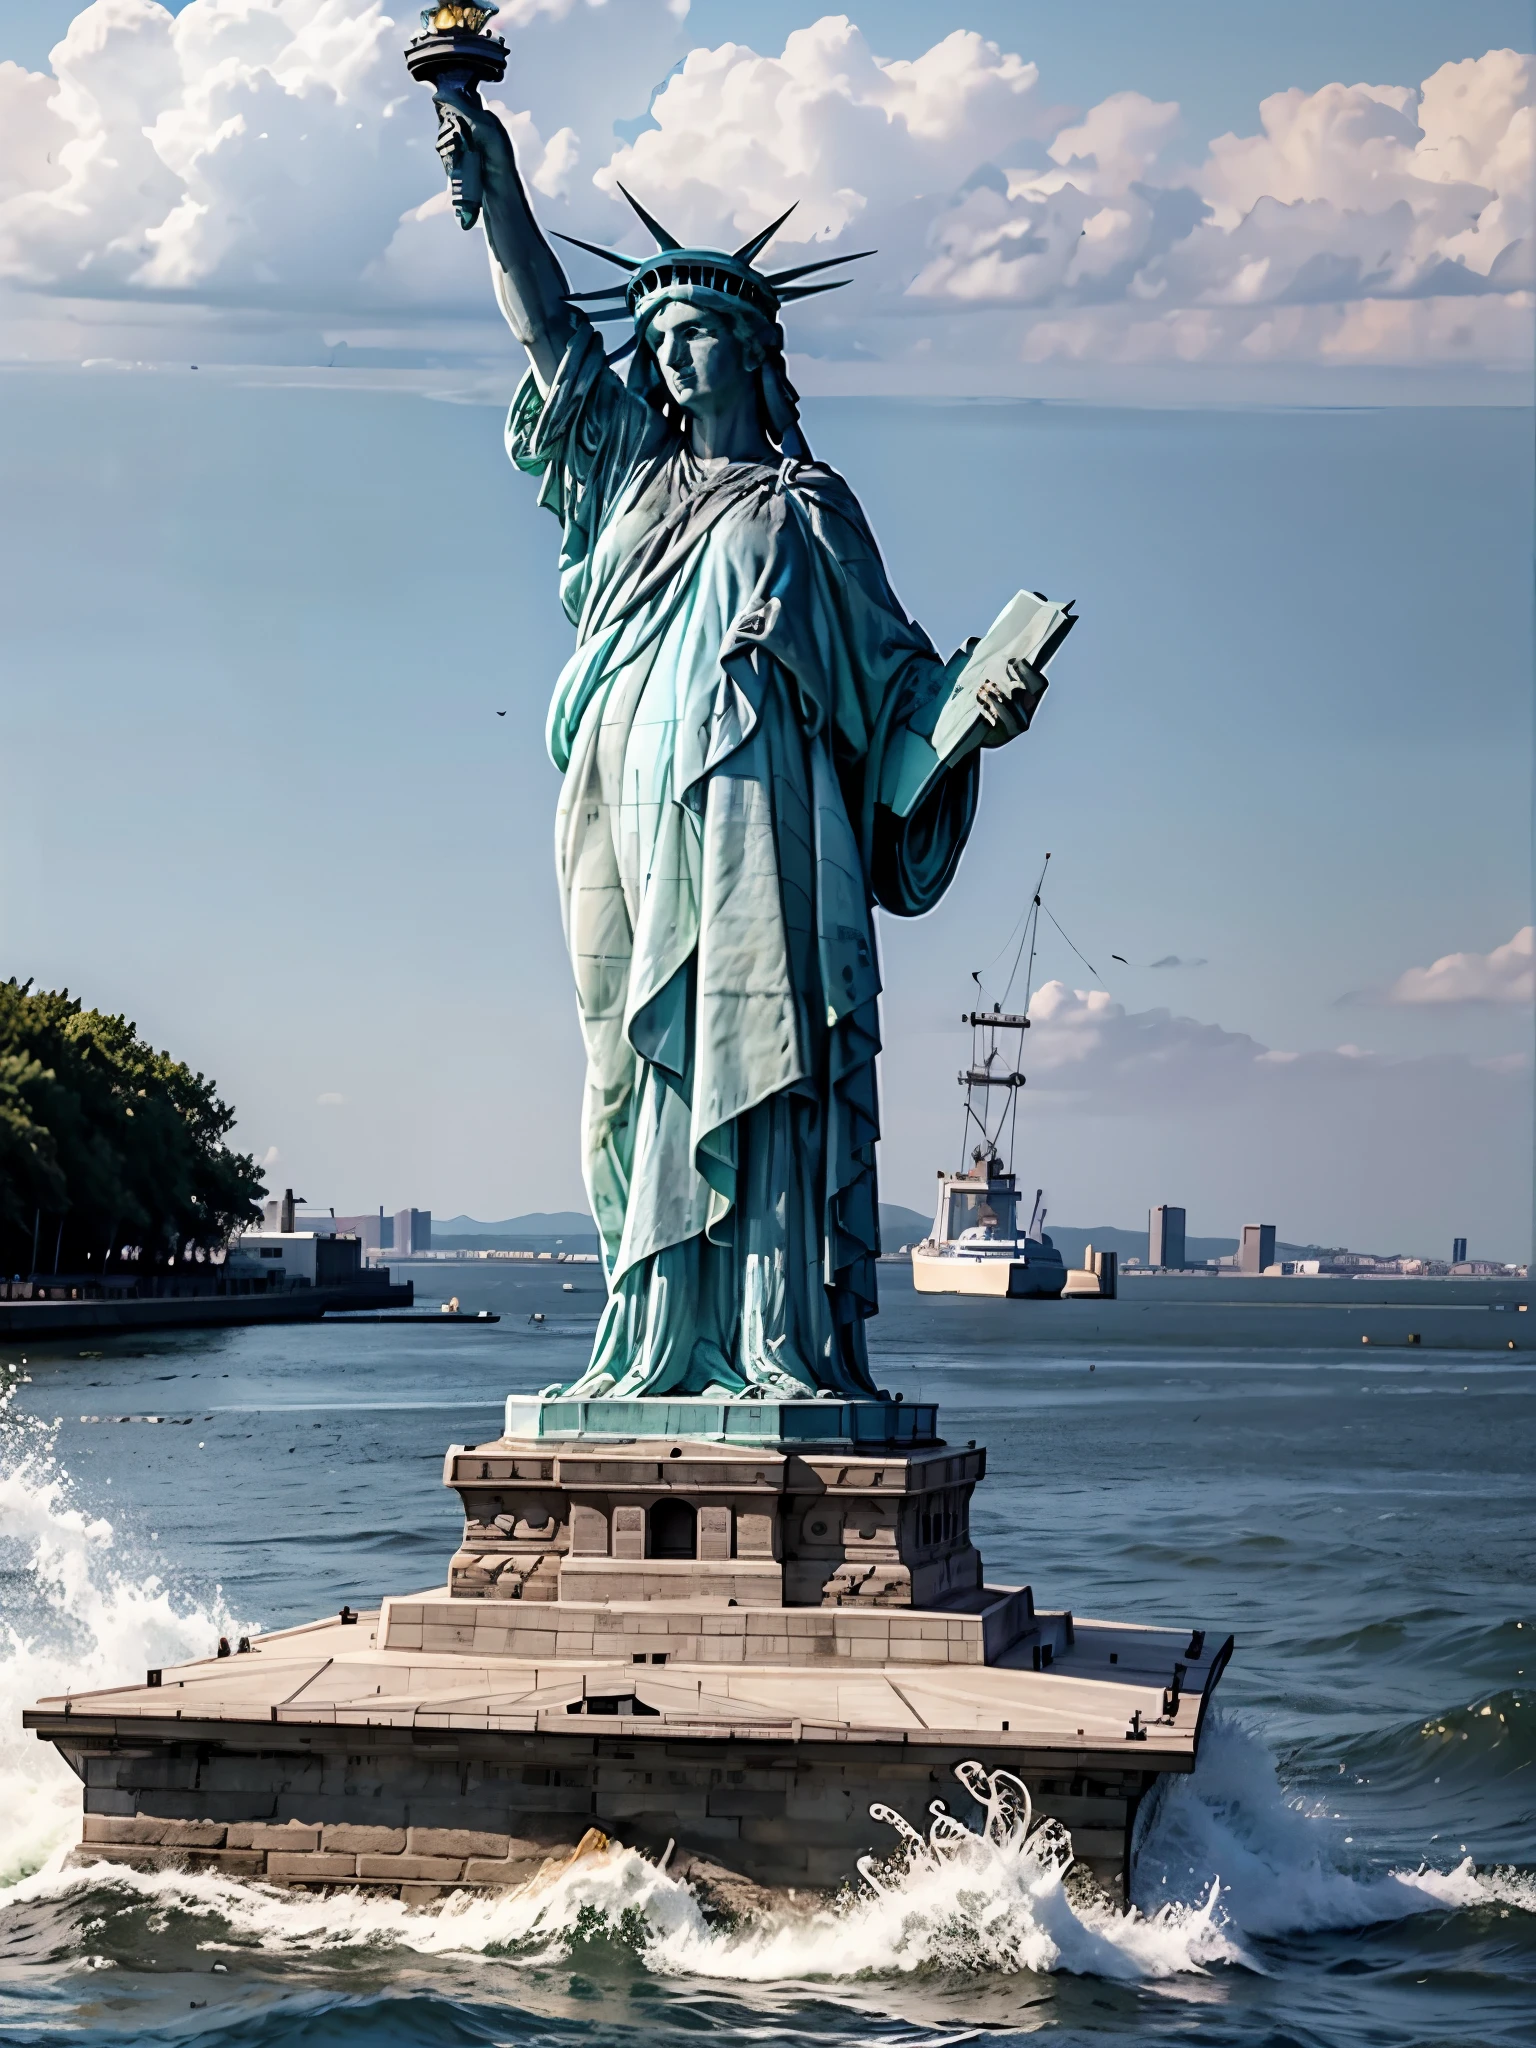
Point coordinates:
[(747, 734)]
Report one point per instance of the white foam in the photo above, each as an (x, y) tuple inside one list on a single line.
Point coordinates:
[(987, 1909), (1282, 1869), (90, 1623)]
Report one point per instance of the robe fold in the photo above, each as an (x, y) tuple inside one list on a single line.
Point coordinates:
[(744, 688)]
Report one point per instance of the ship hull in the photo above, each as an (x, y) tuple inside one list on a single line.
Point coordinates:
[(1017, 1279)]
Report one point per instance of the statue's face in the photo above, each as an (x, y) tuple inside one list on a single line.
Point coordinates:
[(703, 364)]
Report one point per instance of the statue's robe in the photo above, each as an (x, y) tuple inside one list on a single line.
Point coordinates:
[(744, 692)]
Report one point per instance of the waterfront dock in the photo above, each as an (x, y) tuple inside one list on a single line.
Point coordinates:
[(56, 1309)]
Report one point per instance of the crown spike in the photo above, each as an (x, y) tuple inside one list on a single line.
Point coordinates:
[(749, 251), (804, 269), (648, 220), (807, 291), (624, 349), (596, 249), (612, 291)]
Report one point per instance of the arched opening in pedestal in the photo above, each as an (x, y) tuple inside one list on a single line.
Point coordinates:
[(674, 1529)]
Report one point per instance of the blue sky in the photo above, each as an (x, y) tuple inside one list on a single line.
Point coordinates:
[(262, 616)]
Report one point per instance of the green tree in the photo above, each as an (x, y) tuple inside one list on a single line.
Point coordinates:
[(107, 1143)]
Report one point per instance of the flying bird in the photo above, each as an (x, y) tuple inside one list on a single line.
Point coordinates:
[(501, 714), (1121, 958)]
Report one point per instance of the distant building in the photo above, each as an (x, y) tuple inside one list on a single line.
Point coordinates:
[(376, 1233), (1257, 1249), (278, 1210), (1458, 1251), (1165, 1236), (409, 1230), (413, 1232), (300, 1258)]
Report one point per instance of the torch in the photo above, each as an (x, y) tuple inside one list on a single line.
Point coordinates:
[(454, 54)]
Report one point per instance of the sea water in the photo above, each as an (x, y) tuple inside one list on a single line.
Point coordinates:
[(1353, 1861)]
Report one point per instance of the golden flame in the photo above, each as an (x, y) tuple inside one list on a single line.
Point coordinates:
[(457, 14)]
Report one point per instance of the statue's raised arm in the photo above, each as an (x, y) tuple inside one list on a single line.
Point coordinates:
[(456, 55), (530, 285)]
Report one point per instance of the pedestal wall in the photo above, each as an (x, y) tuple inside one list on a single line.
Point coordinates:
[(654, 1519)]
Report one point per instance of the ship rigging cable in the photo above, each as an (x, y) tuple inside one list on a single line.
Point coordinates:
[(980, 1079)]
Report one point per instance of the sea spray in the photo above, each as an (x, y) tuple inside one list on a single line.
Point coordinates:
[(1282, 1869), (76, 1618)]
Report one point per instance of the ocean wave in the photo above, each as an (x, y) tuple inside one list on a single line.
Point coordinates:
[(1282, 1866), (78, 1617)]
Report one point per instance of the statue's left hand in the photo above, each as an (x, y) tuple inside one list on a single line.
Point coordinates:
[(1007, 707)]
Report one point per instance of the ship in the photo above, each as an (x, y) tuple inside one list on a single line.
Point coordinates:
[(976, 1245)]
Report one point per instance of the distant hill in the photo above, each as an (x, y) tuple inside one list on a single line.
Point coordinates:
[(900, 1226), (541, 1227), (470, 1234)]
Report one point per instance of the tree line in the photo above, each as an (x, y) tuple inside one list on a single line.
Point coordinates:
[(108, 1148)]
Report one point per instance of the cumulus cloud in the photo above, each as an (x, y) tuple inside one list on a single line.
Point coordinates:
[(250, 155), (843, 134), (1086, 1045), (1350, 198), (330, 1100), (1504, 975), (271, 157)]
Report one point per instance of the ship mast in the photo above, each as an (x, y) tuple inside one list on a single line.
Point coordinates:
[(995, 1074)]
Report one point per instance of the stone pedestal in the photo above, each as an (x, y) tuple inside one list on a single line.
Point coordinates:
[(739, 1628), (804, 1506)]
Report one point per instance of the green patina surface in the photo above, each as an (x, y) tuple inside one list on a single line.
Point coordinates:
[(741, 727), (878, 1424)]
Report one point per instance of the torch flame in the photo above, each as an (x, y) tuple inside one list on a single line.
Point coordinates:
[(456, 14)]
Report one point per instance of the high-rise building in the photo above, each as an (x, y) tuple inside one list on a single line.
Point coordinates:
[(1458, 1251), (1165, 1236), (413, 1232), (1258, 1248)]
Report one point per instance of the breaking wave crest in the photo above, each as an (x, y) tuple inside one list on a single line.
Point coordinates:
[(76, 1616), (1283, 1868)]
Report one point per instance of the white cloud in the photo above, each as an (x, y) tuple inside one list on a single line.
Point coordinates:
[(1086, 1045), (1504, 975), (253, 162), (266, 157), (330, 1100), (825, 124), (1083, 1041), (1350, 202)]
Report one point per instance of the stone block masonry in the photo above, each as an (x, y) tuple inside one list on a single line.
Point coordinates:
[(576, 1522), (793, 1813)]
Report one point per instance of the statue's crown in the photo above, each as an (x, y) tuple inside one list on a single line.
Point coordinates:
[(726, 276)]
